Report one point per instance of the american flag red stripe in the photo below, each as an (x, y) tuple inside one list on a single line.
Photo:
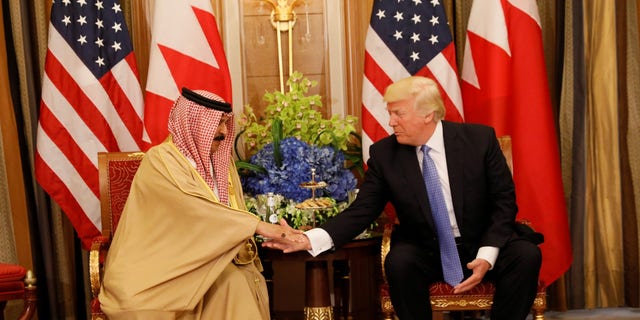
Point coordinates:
[(91, 102), (185, 38), (81, 223), (127, 107), (64, 141), (371, 125), (443, 69), (505, 85), (378, 78), (83, 107), (406, 38)]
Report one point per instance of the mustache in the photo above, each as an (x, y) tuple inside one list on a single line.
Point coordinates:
[(219, 138)]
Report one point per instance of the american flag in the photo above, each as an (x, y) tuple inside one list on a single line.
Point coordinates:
[(405, 38), (91, 102)]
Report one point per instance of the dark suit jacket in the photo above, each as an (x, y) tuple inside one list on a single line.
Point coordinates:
[(482, 190)]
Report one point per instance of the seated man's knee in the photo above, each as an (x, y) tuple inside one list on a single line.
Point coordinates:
[(529, 255), (399, 265), (533, 253)]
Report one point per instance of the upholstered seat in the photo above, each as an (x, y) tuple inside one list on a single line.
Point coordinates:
[(17, 283), (478, 298), (441, 294), (116, 171)]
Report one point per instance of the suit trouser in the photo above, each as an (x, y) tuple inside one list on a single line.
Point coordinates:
[(410, 269)]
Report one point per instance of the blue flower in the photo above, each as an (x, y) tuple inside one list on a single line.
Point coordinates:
[(298, 158)]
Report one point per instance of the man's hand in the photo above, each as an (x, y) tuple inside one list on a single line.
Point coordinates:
[(275, 231), (289, 242), (480, 268)]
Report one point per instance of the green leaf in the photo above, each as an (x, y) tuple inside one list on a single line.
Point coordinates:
[(276, 134), (301, 117), (244, 166)]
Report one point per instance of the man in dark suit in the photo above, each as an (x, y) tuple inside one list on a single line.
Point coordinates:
[(478, 193)]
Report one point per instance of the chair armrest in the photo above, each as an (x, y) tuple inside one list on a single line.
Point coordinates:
[(525, 229), (385, 246), (30, 297), (385, 299), (99, 247)]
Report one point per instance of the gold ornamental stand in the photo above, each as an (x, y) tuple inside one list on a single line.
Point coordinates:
[(311, 205), (318, 301), (283, 19)]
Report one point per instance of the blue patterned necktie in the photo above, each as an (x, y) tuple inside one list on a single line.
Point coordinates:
[(451, 268)]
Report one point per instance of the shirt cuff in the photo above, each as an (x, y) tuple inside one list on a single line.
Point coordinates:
[(488, 253), (320, 241)]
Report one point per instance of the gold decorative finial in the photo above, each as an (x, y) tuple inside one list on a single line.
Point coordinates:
[(283, 10), (282, 19), (30, 279)]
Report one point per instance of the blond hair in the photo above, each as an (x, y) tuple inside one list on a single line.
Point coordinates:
[(423, 89)]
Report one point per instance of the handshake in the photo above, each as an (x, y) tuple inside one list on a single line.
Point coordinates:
[(282, 237)]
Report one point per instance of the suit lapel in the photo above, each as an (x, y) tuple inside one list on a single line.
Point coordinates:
[(455, 167)]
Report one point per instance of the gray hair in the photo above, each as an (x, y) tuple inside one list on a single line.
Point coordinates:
[(424, 90)]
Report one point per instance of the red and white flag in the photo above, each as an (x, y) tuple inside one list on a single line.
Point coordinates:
[(91, 102), (186, 51), (505, 86), (406, 38)]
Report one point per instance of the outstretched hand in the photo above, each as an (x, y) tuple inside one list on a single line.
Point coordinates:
[(274, 231), (292, 241)]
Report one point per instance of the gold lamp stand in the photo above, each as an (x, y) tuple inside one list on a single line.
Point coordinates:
[(283, 18)]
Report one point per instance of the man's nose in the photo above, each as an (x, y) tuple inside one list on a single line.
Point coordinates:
[(392, 121), (223, 128)]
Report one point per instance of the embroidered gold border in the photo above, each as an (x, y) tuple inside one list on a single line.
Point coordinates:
[(318, 313), (480, 303)]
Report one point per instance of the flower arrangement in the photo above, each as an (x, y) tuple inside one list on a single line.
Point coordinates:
[(297, 218), (290, 140), (298, 158)]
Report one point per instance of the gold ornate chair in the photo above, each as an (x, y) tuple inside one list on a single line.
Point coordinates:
[(17, 283), (116, 171), (441, 294)]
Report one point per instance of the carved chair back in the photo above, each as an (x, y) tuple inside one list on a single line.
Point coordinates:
[(116, 171)]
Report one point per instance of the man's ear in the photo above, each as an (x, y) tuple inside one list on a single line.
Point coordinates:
[(429, 117)]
